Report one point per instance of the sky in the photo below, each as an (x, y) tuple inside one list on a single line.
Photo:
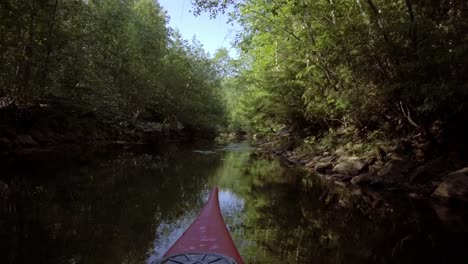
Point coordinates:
[(212, 33)]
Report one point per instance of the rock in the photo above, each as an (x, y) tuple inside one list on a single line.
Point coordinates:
[(346, 158), (416, 196), (428, 171), (454, 219), (317, 158), (454, 187), (284, 132), (310, 164), (338, 177), (374, 169), (379, 163), (327, 159), (395, 170), (361, 179), (356, 191), (371, 160), (340, 183), (340, 152), (350, 167), (297, 158), (24, 140), (323, 167), (380, 154)]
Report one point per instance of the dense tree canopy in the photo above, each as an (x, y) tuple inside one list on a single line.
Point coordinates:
[(118, 55), (370, 63)]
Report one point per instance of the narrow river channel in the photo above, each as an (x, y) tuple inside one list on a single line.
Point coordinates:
[(129, 204)]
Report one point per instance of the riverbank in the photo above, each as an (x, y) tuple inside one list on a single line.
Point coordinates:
[(53, 122), (404, 165)]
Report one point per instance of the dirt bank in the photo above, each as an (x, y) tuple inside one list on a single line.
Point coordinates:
[(48, 123)]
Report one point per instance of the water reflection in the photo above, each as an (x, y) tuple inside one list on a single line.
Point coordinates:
[(130, 205), (167, 233)]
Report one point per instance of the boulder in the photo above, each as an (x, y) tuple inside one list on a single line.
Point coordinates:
[(338, 177), (340, 152), (302, 162), (340, 184), (347, 158), (323, 167), (361, 179), (431, 170), (395, 170), (317, 158), (297, 158), (24, 140), (454, 187), (310, 164), (327, 159), (350, 167)]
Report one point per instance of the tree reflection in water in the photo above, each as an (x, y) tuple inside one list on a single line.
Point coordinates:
[(129, 206)]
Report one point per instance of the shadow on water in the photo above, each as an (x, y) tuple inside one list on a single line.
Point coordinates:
[(128, 205)]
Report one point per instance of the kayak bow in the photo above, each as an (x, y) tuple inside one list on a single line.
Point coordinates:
[(207, 240)]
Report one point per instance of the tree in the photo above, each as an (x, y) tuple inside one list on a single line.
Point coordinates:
[(119, 56), (371, 64)]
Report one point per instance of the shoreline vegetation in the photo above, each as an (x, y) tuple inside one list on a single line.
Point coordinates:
[(54, 122), (400, 166), (86, 72), (371, 93)]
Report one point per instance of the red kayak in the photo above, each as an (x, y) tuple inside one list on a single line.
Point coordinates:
[(207, 240)]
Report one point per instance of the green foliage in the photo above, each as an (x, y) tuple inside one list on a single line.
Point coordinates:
[(374, 64), (118, 55)]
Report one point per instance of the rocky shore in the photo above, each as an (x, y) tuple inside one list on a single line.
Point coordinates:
[(443, 178), (47, 124)]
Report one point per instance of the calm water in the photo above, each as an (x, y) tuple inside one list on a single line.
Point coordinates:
[(129, 204)]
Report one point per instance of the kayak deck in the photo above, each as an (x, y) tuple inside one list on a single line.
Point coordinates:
[(206, 239)]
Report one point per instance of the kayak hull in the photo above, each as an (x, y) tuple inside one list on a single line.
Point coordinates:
[(207, 236), (198, 258)]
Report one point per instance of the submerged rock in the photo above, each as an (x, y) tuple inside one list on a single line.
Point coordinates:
[(454, 187)]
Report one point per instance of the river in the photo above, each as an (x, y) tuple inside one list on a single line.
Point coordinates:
[(128, 204)]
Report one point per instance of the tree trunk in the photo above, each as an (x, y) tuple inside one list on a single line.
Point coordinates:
[(49, 47), (412, 27), (28, 54)]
